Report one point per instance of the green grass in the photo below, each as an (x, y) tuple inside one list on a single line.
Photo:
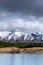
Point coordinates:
[(20, 45)]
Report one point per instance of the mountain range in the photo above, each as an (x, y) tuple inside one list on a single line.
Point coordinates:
[(14, 36)]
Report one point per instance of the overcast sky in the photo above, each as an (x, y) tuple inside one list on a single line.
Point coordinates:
[(24, 15)]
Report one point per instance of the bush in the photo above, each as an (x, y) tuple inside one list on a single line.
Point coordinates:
[(20, 45)]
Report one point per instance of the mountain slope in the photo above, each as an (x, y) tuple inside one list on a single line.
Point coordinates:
[(14, 36)]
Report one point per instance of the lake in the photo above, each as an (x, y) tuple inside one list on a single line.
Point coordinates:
[(21, 59)]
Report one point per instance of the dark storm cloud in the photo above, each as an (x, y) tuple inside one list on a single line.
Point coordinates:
[(29, 7)]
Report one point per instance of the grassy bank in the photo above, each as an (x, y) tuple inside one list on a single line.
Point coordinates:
[(20, 45)]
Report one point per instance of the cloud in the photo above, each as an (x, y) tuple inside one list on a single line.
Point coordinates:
[(24, 15), (19, 25), (25, 7)]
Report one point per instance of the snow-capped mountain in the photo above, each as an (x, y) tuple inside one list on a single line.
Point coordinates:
[(37, 36), (14, 36)]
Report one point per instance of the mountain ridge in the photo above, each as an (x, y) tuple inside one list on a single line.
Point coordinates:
[(14, 36)]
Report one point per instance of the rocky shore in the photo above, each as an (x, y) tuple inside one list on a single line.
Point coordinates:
[(20, 50)]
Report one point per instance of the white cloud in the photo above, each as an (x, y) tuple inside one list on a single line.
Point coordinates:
[(31, 26)]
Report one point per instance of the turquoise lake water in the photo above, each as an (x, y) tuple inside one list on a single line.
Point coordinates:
[(21, 59)]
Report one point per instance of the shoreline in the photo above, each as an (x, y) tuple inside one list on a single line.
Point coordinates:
[(21, 50)]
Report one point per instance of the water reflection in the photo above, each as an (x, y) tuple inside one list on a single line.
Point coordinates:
[(21, 59), (18, 59), (5, 59)]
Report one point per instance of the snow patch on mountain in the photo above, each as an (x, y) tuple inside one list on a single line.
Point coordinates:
[(20, 36)]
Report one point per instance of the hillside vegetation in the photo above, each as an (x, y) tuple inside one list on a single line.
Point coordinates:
[(20, 45)]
